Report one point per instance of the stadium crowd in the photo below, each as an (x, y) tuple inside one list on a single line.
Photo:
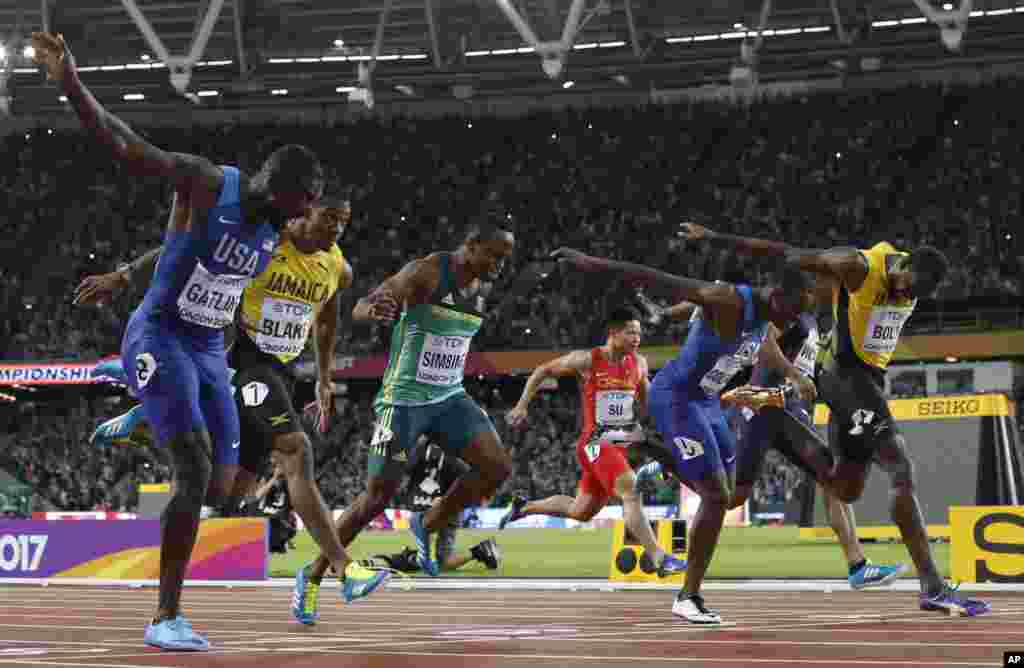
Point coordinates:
[(928, 165)]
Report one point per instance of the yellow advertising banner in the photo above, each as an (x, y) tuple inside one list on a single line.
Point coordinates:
[(938, 408), (987, 543)]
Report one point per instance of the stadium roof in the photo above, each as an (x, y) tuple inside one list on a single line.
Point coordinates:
[(314, 49)]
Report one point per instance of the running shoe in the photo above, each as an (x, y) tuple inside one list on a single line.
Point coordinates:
[(870, 575), (175, 635), (360, 581), (423, 551), (670, 566), (121, 430), (112, 369), (692, 609), (650, 471), (305, 598), (488, 553), (952, 603), (514, 512)]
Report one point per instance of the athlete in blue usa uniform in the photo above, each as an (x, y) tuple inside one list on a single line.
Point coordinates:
[(222, 231), (684, 394)]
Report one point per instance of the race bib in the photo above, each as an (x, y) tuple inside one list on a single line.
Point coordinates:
[(720, 374), (442, 360), (808, 354), (592, 450), (614, 407), (883, 330), (284, 327), (210, 300)]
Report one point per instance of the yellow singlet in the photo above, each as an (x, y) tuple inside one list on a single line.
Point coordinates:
[(867, 321), (280, 306)]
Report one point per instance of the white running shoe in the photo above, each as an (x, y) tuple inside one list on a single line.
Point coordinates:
[(691, 608)]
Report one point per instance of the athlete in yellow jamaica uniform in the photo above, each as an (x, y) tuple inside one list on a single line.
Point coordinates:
[(874, 292), (280, 307)]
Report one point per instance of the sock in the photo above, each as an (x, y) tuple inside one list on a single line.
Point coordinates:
[(857, 566)]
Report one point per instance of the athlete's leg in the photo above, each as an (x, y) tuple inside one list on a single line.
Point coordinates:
[(841, 519), (633, 515), (217, 403), (294, 453), (581, 507), (905, 509), (470, 435), (395, 434), (167, 381)]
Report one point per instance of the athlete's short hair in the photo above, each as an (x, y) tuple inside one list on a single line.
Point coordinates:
[(621, 315), (292, 168), (929, 266)]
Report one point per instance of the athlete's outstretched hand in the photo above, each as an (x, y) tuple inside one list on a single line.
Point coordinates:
[(695, 232), (383, 307), (100, 289), (517, 417), (52, 53), (579, 260)]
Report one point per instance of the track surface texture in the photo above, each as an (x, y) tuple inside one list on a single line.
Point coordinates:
[(102, 627)]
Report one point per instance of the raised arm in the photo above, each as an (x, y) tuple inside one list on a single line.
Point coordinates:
[(572, 364), (188, 172), (690, 289), (844, 263)]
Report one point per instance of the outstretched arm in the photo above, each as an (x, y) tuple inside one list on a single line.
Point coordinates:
[(384, 302), (102, 288), (188, 172), (690, 289), (844, 263), (575, 363)]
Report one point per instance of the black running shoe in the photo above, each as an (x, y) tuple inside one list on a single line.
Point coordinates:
[(487, 553)]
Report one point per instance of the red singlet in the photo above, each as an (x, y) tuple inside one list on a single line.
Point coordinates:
[(609, 416)]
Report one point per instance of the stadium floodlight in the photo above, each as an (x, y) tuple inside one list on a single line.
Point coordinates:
[(3, 53), (29, 52)]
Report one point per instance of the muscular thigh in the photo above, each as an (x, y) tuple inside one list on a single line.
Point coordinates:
[(166, 379), (263, 396), (859, 418), (688, 430)]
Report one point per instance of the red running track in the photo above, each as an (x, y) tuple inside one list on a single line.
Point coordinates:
[(98, 628)]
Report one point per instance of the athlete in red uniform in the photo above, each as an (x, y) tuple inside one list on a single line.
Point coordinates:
[(614, 383)]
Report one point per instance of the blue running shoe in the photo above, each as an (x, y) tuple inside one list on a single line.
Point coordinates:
[(951, 603), (121, 429), (361, 581), (423, 551), (515, 511), (870, 575), (670, 566), (112, 369), (176, 635), (650, 471), (305, 598)]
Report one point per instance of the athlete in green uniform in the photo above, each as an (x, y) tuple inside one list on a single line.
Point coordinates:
[(422, 391)]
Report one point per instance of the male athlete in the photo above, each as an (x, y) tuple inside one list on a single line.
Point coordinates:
[(280, 308), (875, 292), (422, 391), (222, 231), (429, 480), (788, 358), (684, 395), (614, 382)]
